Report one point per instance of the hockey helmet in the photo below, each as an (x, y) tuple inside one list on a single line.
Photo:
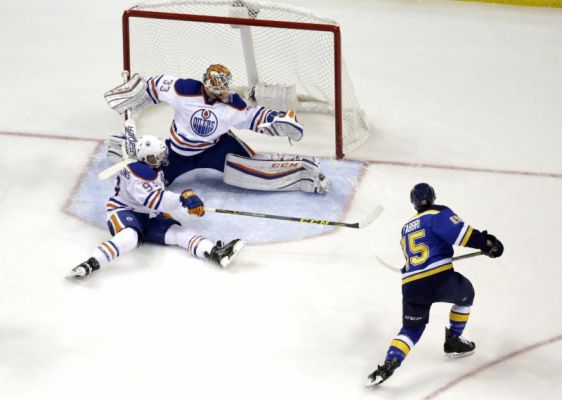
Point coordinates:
[(152, 150), (217, 80), (422, 195)]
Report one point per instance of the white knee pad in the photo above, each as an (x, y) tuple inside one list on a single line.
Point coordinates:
[(126, 240), (275, 172)]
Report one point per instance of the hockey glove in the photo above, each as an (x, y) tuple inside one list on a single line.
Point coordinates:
[(131, 95), (192, 202), (284, 124), (491, 246)]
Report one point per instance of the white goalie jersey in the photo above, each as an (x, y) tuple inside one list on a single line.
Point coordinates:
[(199, 121), (139, 188)]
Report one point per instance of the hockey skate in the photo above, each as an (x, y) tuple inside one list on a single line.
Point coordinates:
[(224, 254), (382, 373), (84, 269), (457, 346), (322, 185)]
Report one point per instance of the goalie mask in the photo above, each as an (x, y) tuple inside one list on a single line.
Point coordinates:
[(217, 81), (152, 151)]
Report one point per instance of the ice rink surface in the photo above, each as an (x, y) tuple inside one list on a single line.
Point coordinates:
[(465, 96)]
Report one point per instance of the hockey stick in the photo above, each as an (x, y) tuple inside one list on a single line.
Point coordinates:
[(109, 171), (131, 135), (357, 225), (392, 268)]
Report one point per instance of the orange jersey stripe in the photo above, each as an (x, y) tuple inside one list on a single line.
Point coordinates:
[(176, 138), (156, 195), (154, 91), (270, 174), (117, 226), (108, 248)]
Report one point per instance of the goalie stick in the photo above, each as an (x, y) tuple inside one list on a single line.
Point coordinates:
[(130, 133), (395, 269), (357, 225)]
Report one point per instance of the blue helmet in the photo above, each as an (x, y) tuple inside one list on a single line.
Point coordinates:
[(422, 195)]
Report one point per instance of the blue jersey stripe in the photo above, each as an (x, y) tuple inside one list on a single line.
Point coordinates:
[(159, 200), (115, 247), (252, 125)]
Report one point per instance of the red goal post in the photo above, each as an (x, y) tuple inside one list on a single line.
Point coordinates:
[(289, 51)]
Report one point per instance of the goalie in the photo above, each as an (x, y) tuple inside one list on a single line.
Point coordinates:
[(201, 136)]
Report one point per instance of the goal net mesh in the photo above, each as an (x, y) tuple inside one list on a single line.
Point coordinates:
[(298, 65)]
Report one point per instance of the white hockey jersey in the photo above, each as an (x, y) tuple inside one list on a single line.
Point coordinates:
[(199, 121), (139, 188)]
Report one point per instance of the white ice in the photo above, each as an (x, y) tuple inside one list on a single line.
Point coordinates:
[(470, 93)]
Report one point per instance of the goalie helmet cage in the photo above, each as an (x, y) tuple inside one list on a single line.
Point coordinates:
[(263, 44)]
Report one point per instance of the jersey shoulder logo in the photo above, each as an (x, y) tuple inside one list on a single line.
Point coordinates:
[(204, 122), (455, 219)]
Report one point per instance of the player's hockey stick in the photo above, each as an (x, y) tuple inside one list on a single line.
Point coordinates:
[(395, 269), (357, 225), (109, 171), (130, 133)]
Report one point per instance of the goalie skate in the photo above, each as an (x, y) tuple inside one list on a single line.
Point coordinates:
[(322, 184), (223, 254)]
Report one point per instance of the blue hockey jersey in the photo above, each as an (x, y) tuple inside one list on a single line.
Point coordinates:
[(427, 242)]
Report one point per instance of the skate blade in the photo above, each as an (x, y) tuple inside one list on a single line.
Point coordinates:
[(225, 262), (75, 274), (452, 356), (371, 383)]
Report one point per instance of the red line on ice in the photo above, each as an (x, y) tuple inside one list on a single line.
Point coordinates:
[(468, 169), (48, 136), (491, 364), (380, 162)]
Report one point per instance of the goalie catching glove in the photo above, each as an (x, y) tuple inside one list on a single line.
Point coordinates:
[(131, 95), (283, 124), (192, 202)]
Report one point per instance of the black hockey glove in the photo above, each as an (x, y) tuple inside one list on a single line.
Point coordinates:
[(491, 246)]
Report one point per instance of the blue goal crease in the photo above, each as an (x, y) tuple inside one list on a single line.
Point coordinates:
[(88, 203)]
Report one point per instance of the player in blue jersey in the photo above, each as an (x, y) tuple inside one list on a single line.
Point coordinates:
[(140, 211), (201, 134), (428, 277)]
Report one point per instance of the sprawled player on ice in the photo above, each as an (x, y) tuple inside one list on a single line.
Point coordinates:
[(138, 212), (200, 135)]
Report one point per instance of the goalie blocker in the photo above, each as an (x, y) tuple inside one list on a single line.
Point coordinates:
[(275, 172)]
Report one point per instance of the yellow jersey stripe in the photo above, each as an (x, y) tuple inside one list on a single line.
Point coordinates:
[(427, 273), (453, 316), (424, 213), (467, 236), (403, 347)]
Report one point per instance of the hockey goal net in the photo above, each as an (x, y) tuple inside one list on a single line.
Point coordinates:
[(287, 56)]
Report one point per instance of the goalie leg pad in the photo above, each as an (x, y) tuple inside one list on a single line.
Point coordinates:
[(275, 174)]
